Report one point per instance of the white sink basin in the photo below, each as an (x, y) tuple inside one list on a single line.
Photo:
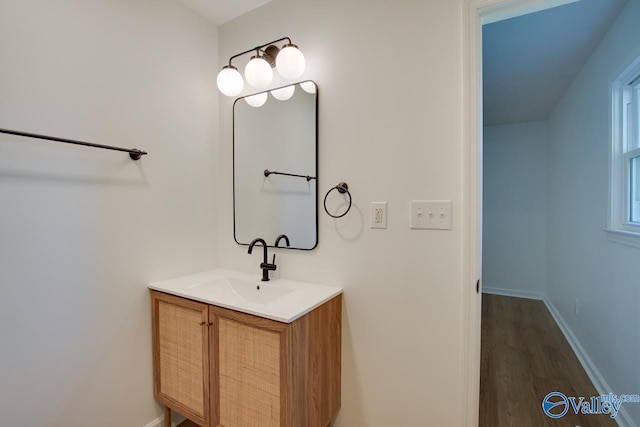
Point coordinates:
[(278, 299), (265, 293)]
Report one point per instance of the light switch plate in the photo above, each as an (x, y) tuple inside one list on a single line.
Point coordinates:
[(430, 214), (378, 214)]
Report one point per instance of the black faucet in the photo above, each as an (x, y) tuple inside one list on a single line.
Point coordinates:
[(265, 266), (282, 236)]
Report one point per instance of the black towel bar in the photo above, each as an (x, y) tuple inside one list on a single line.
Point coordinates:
[(134, 153), (267, 172)]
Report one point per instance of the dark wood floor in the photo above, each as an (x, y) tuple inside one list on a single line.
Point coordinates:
[(525, 357)]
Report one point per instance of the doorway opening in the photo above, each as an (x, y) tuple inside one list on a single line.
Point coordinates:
[(522, 247)]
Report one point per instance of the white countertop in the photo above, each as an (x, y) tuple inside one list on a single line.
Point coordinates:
[(278, 299)]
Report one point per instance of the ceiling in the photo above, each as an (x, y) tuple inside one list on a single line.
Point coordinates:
[(530, 61), (221, 11)]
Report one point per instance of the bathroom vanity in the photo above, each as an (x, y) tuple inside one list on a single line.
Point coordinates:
[(232, 351)]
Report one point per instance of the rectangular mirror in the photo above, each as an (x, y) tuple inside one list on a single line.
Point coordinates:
[(275, 166)]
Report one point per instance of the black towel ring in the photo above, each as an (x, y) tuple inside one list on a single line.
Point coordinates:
[(342, 188)]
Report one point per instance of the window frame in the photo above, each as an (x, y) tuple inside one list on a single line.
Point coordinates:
[(628, 213), (625, 131)]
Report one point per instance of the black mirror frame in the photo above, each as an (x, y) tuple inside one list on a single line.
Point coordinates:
[(317, 178)]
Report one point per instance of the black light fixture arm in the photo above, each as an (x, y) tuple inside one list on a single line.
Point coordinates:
[(134, 153), (258, 48)]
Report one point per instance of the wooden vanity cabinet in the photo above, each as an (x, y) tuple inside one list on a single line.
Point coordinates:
[(261, 373)]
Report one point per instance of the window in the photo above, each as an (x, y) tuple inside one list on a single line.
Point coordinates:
[(632, 153), (635, 189), (624, 218)]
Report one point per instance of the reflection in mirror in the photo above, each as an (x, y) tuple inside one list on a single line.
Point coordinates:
[(275, 166)]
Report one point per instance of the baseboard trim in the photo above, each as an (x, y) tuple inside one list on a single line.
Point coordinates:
[(176, 419), (158, 422), (513, 293), (623, 419)]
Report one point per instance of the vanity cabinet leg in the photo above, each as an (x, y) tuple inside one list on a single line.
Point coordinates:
[(167, 416)]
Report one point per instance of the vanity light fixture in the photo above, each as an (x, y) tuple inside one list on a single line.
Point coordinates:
[(229, 80), (258, 72), (288, 60)]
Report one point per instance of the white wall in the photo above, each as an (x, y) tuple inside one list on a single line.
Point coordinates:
[(390, 105), (514, 235), (583, 264), (82, 231)]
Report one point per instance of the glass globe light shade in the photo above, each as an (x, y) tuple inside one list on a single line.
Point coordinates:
[(258, 73), (290, 62), (230, 81), (308, 87), (257, 100), (284, 93)]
